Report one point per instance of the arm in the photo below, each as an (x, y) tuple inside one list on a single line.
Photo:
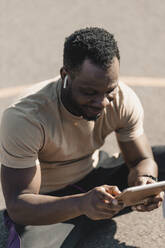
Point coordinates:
[(21, 178), (139, 159), (26, 206)]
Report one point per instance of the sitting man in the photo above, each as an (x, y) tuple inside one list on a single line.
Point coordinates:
[(51, 169)]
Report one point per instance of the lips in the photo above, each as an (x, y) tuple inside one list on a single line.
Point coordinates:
[(94, 111)]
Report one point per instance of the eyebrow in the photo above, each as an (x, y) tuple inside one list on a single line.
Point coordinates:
[(89, 87), (83, 87), (97, 91)]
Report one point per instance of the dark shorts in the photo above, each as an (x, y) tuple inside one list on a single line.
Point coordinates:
[(73, 233)]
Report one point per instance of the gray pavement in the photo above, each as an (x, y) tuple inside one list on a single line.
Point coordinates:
[(32, 34)]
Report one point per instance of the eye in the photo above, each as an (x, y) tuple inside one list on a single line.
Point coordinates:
[(89, 93)]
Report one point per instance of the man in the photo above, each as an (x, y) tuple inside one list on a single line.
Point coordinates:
[(50, 141)]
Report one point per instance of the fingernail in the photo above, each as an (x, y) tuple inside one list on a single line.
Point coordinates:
[(114, 202), (139, 208)]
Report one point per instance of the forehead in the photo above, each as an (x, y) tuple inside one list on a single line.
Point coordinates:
[(92, 76)]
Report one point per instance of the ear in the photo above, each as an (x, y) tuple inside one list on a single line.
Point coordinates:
[(63, 72)]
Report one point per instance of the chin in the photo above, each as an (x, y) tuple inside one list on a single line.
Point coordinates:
[(91, 118)]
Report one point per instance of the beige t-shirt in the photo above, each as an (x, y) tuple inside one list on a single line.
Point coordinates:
[(38, 129)]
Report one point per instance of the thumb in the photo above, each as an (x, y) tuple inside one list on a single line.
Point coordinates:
[(109, 194)]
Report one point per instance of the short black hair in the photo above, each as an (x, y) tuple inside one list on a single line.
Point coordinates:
[(93, 43)]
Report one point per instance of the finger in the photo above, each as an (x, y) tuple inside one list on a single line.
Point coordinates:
[(143, 208), (161, 195), (153, 199), (155, 202), (139, 208), (107, 200), (102, 195), (107, 193), (133, 208), (114, 205), (141, 181), (112, 189), (150, 203), (150, 207)]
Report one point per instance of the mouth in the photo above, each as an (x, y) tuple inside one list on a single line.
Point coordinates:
[(91, 112)]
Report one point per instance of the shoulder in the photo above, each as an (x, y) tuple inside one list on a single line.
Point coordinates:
[(127, 93), (47, 89), (17, 126), (127, 101), (129, 114), (37, 103), (21, 138)]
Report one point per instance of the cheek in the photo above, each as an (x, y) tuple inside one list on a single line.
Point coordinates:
[(81, 99), (84, 100)]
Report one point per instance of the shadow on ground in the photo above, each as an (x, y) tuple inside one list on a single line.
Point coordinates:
[(102, 236), (98, 234)]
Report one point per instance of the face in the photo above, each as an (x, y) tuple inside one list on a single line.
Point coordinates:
[(92, 89)]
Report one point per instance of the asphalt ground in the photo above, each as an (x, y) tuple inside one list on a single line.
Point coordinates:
[(32, 34)]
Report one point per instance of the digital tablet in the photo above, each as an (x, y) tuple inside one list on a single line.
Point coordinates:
[(136, 195)]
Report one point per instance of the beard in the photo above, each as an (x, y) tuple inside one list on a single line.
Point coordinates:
[(90, 118), (76, 109)]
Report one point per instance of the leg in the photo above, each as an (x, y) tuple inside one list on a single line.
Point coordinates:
[(62, 235), (110, 170), (159, 155), (73, 232)]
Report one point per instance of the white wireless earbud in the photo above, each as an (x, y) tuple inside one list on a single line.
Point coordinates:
[(65, 81)]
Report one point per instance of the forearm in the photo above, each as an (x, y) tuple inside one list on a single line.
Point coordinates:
[(31, 209), (145, 167)]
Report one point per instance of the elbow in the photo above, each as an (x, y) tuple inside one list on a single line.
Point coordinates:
[(17, 214)]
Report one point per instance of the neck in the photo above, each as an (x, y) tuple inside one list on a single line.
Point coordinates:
[(67, 100)]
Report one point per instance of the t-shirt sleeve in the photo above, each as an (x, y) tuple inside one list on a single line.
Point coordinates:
[(131, 116), (21, 138)]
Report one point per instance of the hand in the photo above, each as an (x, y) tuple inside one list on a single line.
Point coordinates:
[(149, 203), (100, 203)]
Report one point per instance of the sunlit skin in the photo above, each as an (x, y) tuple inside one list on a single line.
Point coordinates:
[(91, 89)]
